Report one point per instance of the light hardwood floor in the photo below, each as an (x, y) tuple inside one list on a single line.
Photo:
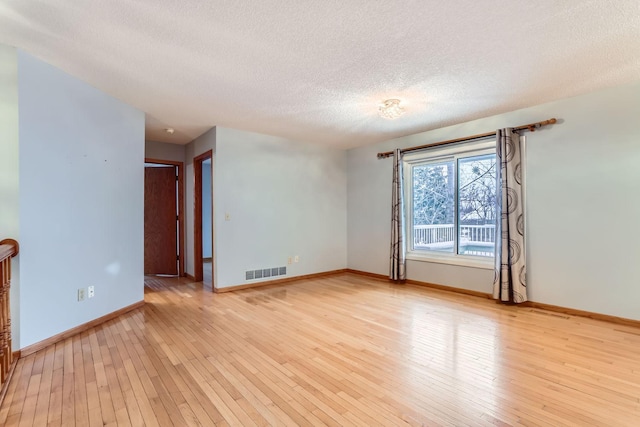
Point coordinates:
[(340, 350)]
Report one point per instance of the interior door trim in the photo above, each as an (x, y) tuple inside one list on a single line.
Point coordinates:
[(198, 272)]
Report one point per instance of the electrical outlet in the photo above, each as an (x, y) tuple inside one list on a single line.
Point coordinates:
[(295, 259), (289, 260), (91, 291), (81, 294)]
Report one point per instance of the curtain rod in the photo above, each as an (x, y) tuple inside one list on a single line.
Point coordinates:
[(530, 127)]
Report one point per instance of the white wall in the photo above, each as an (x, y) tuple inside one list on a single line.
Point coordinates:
[(164, 151), (81, 201), (9, 171), (207, 219), (582, 178), (284, 198)]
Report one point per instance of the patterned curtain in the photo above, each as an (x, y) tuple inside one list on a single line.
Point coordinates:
[(509, 283), (398, 263)]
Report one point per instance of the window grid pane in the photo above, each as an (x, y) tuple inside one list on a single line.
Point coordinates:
[(433, 206), (477, 205)]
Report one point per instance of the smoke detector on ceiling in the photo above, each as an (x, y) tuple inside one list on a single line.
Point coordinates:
[(170, 131)]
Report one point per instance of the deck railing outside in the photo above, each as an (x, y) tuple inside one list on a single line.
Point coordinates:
[(474, 239), (427, 234)]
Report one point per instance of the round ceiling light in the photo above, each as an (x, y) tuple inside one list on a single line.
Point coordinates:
[(391, 109)]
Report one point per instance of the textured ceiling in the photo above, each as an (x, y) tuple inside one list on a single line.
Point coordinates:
[(317, 70)]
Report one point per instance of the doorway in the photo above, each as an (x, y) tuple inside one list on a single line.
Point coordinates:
[(203, 218), (163, 218)]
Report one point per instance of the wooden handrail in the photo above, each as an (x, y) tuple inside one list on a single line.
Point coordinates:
[(8, 248)]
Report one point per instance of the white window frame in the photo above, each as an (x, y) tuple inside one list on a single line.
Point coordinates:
[(434, 155)]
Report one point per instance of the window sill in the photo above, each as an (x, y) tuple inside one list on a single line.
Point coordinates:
[(459, 260)]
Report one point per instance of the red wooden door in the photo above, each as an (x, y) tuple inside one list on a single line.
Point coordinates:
[(160, 221)]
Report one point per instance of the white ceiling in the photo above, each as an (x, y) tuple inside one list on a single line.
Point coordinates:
[(317, 70)]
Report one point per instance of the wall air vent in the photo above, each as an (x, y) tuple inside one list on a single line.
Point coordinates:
[(265, 272)]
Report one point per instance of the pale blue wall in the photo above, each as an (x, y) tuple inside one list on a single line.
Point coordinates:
[(81, 201), (164, 151), (284, 198), (582, 176), (9, 172)]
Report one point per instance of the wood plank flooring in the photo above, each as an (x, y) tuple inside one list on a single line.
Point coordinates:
[(341, 350)]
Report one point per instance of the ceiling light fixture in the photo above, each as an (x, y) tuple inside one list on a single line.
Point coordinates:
[(391, 109), (169, 131)]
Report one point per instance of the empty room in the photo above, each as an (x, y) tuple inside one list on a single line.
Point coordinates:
[(287, 213)]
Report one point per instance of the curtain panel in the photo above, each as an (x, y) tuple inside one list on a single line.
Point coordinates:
[(397, 259), (509, 284)]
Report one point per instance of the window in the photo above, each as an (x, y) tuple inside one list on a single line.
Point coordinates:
[(451, 204)]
